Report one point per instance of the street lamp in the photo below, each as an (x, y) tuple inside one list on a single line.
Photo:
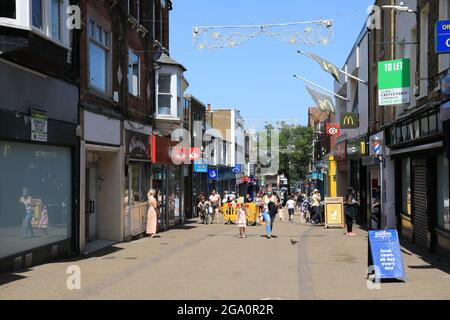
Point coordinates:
[(400, 8)]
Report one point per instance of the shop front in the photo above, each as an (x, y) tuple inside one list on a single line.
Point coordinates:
[(39, 169), (422, 178), (137, 182), (168, 181)]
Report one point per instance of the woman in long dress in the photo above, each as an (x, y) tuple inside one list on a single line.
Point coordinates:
[(152, 213)]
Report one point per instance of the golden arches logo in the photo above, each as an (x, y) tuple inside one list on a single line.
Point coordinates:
[(327, 66), (348, 120)]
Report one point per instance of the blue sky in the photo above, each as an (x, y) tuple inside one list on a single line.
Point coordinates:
[(257, 76)]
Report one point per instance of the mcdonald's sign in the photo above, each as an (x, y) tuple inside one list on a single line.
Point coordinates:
[(349, 120)]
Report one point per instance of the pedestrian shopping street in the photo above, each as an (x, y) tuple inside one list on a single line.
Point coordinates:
[(197, 261)]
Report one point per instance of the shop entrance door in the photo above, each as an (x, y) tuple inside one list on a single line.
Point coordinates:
[(91, 204)]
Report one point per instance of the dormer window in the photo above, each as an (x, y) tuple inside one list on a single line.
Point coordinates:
[(8, 9)]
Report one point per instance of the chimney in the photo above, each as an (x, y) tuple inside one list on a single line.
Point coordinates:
[(209, 107)]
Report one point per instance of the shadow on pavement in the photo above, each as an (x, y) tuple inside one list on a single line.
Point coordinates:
[(8, 278), (431, 261)]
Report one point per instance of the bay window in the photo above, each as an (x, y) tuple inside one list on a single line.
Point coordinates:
[(99, 52), (8, 9), (47, 18), (164, 94), (133, 73)]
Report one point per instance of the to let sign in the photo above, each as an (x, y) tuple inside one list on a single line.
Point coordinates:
[(385, 254), (443, 36), (394, 85)]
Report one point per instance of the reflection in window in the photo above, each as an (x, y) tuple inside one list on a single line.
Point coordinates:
[(98, 57), (35, 196), (8, 9)]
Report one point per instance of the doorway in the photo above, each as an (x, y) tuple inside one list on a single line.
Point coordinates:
[(91, 204)]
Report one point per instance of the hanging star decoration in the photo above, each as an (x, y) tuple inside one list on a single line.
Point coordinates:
[(319, 32)]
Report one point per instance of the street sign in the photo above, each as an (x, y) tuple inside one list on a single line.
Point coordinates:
[(39, 125), (349, 120), (443, 36), (385, 255), (237, 169), (333, 129), (201, 166), (213, 174), (394, 86)]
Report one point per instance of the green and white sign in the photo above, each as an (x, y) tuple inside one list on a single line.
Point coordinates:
[(394, 86), (39, 125)]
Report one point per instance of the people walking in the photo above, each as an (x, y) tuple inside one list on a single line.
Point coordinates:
[(350, 210), (28, 217), (214, 200), (267, 219), (316, 199), (242, 221), (291, 208), (152, 213), (272, 203), (43, 221)]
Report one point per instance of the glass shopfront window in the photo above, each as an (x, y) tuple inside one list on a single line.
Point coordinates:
[(406, 186), (35, 196), (443, 193), (175, 192), (137, 182)]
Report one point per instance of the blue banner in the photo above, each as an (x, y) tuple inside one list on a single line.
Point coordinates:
[(386, 254), (443, 36)]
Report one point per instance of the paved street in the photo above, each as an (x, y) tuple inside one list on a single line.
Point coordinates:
[(210, 262)]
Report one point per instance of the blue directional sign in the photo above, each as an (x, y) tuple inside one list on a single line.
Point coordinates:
[(385, 254), (443, 36), (213, 174), (237, 169), (201, 166)]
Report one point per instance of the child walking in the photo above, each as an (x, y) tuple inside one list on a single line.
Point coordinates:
[(43, 223), (242, 221)]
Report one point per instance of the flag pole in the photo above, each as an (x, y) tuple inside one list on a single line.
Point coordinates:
[(316, 85), (341, 71)]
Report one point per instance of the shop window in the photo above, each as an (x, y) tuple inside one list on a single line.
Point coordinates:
[(406, 187), (99, 57), (175, 188), (416, 129), (137, 183), (424, 126), (433, 123), (35, 196), (443, 193), (133, 73), (8, 9)]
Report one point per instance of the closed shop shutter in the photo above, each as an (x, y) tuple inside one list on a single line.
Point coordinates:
[(420, 204)]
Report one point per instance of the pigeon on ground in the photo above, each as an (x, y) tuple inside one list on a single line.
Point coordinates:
[(293, 242)]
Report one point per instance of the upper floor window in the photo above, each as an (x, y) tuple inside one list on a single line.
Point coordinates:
[(56, 19), (38, 14), (164, 94), (133, 73), (99, 55), (8, 9)]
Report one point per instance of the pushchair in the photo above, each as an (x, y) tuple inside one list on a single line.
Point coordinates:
[(306, 211)]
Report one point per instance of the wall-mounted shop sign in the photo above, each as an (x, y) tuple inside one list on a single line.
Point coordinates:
[(213, 174), (444, 81), (394, 86), (443, 36), (39, 125), (349, 120), (201, 166), (376, 144), (333, 130), (137, 145)]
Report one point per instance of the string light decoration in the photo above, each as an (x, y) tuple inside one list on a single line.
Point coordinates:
[(318, 32)]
